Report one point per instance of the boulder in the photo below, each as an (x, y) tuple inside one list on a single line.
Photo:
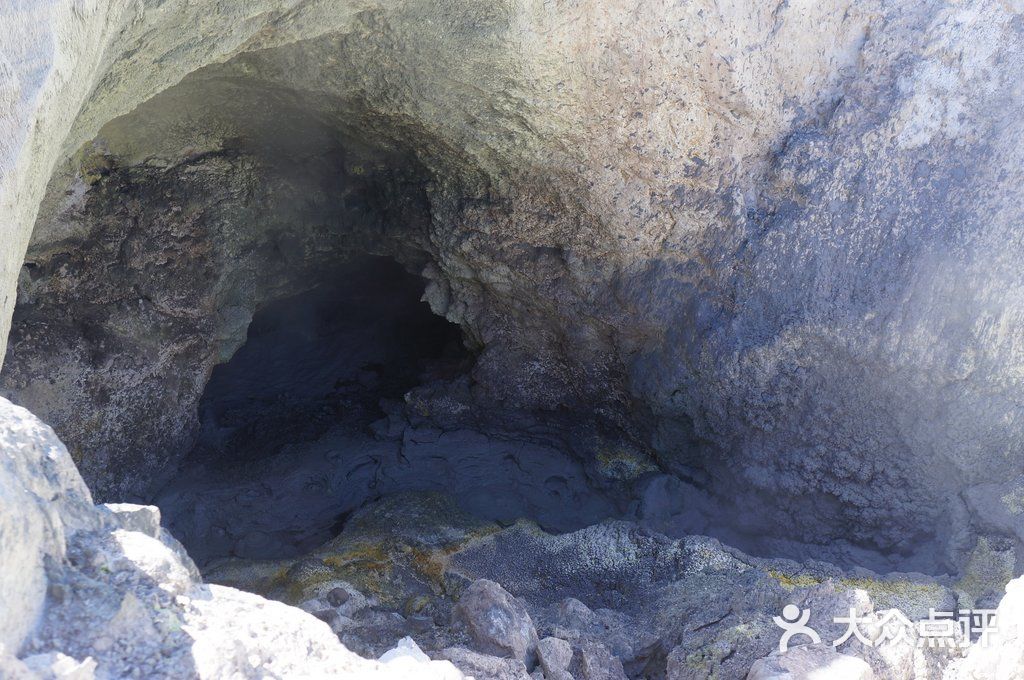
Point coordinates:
[(1000, 654), (480, 666), (42, 497), (555, 655), (498, 623), (593, 661)]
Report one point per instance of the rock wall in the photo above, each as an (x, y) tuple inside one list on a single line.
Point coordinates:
[(776, 245), (147, 276)]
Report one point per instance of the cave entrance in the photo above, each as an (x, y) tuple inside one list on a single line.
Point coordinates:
[(289, 441), (310, 420), (323, 359), (196, 325)]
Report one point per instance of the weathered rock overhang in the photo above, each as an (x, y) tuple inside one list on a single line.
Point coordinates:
[(720, 271)]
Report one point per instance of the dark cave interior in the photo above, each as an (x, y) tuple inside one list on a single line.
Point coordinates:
[(308, 421), (325, 358)]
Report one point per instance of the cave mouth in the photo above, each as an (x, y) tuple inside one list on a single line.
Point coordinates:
[(157, 234), (227, 322), (325, 358), (313, 418), (278, 420)]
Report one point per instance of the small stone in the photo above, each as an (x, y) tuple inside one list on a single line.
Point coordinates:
[(338, 596), (498, 623), (595, 662), (142, 518), (575, 615), (406, 648), (419, 623), (477, 665), (807, 662), (328, 616), (57, 592), (555, 655)]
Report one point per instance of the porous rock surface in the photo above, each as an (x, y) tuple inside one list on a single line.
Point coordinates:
[(772, 244), (685, 609)]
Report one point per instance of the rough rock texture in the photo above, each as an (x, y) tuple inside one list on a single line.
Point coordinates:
[(289, 504), (772, 244), (478, 665), (594, 661), (554, 655), (769, 251), (811, 662), (1002, 658), (93, 590), (41, 496), (497, 622), (178, 291), (655, 607), (113, 594)]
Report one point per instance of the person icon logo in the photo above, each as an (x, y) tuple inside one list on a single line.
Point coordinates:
[(794, 622)]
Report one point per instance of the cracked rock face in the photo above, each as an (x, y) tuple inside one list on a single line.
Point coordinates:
[(749, 270)]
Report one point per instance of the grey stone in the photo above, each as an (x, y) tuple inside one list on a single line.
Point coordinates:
[(1001, 657), (142, 518), (808, 662), (420, 623), (328, 616), (593, 661), (498, 623), (42, 497), (482, 666), (555, 655), (338, 596), (575, 615)]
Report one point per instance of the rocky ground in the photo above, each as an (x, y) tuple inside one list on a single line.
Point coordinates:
[(610, 600), (413, 578), (104, 591)]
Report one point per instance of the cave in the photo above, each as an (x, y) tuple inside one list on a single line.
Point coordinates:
[(326, 360), (325, 356), (305, 424), (262, 309), (261, 338), (397, 314)]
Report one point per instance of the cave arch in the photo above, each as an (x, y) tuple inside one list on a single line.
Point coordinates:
[(624, 286), (207, 273)]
